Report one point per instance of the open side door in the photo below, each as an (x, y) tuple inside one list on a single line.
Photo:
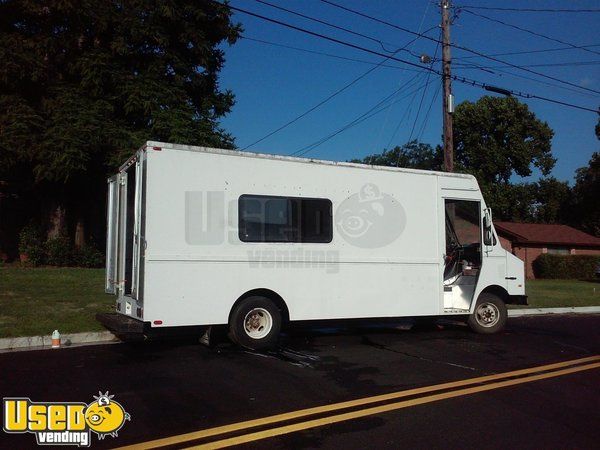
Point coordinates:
[(463, 255), (112, 235)]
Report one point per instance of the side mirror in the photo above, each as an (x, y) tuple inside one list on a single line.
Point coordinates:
[(488, 235)]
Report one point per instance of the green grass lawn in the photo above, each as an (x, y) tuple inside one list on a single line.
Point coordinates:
[(555, 293), (37, 301)]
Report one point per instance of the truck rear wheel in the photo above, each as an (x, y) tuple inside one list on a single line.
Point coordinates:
[(255, 323), (489, 316)]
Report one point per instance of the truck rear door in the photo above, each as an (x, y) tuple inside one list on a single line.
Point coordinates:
[(138, 232), (112, 235)]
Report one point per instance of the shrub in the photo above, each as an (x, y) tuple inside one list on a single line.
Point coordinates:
[(565, 266), (31, 243), (88, 256), (59, 251)]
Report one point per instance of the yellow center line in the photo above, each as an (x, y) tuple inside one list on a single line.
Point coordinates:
[(384, 408), (178, 439)]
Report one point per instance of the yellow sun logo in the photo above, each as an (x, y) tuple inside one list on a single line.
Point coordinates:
[(105, 416)]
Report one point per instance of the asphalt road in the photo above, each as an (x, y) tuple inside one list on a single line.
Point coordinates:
[(171, 388)]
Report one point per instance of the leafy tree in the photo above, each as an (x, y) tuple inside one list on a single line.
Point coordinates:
[(551, 200), (83, 83), (512, 202), (586, 192), (497, 138), (414, 155)]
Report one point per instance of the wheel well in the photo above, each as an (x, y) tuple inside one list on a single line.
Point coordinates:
[(498, 291), (271, 295)]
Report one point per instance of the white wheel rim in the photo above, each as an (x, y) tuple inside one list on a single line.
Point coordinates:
[(258, 323), (487, 315)]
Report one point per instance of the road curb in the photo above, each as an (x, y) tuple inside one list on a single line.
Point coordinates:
[(66, 340), (542, 311)]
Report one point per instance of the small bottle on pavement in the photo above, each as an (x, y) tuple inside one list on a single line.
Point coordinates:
[(55, 339)]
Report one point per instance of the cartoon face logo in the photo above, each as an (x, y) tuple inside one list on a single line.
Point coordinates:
[(105, 416), (370, 219)]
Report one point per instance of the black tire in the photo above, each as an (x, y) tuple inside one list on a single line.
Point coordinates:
[(247, 318), (489, 316)]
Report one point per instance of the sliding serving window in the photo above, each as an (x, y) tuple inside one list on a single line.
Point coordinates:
[(264, 218)]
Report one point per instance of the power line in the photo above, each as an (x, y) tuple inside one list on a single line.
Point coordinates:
[(492, 8), (330, 55), (422, 96), (321, 103), (525, 30), (463, 80), (337, 27), (380, 42), (561, 64), (460, 47), (409, 107), (458, 66), (407, 112), (374, 110), (366, 115), (322, 36), (527, 52), (433, 99), (328, 98), (499, 72)]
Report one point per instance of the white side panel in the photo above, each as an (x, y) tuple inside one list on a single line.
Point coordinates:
[(193, 293), (196, 266), (515, 275)]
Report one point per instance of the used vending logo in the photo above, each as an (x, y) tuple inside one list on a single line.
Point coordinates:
[(64, 423)]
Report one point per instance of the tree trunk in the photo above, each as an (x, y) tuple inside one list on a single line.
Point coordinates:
[(57, 221), (3, 235), (79, 233)]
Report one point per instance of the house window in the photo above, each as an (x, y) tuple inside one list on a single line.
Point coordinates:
[(264, 218), (559, 251)]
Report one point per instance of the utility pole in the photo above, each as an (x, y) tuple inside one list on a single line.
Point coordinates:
[(448, 101)]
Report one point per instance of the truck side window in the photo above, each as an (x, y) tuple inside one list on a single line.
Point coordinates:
[(265, 218)]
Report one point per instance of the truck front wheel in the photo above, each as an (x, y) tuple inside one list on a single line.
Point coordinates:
[(489, 316), (255, 323)]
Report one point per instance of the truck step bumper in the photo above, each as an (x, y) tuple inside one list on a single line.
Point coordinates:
[(122, 326)]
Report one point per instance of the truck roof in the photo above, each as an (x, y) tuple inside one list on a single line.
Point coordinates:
[(220, 151)]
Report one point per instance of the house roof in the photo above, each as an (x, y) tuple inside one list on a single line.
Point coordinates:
[(538, 233)]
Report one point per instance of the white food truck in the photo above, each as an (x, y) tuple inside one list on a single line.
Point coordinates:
[(199, 237)]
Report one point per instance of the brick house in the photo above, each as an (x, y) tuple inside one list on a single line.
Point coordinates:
[(529, 240)]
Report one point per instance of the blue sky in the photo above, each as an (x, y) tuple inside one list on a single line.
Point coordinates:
[(273, 85)]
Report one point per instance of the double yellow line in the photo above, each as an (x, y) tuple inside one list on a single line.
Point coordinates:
[(475, 385)]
